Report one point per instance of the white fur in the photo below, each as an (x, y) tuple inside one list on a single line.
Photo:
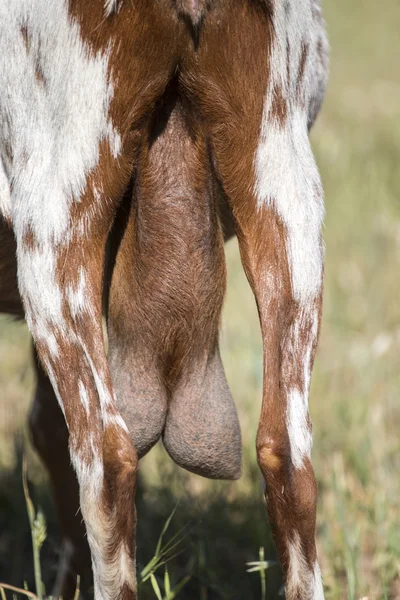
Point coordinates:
[(110, 6), (109, 575), (109, 412), (111, 418), (84, 396), (288, 180), (78, 299), (114, 140), (53, 381), (302, 582), (54, 129), (5, 198), (44, 299), (300, 435), (318, 587), (286, 174), (319, 69)]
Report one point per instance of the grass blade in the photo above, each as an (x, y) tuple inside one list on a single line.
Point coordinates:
[(12, 588), (38, 531), (164, 529), (78, 588), (167, 584), (156, 587), (178, 588)]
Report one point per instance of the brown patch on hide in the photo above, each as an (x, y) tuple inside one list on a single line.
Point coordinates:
[(287, 333), (25, 37), (279, 106), (29, 241), (227, 81), (189, 120), (288, 63), (301, 72), (120, 474), (40, 78), (143, 63)]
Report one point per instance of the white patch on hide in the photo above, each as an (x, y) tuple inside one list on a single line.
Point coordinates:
[(302, 582), (53, 123), (286, 174), (300, 436), (84, 396), (110, 6), (53, 381), (5, 198), (111, 418), (108, 408), (298, 427), (318, 587), (115, 141), (77, 296), (109, 575), (42, 295)]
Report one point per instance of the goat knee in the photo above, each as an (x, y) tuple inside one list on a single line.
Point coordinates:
[(296, 486), (273, 456)]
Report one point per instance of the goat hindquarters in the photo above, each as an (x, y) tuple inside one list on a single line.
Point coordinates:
[(165, 304)]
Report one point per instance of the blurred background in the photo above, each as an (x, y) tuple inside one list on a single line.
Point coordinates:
[(355, 404)]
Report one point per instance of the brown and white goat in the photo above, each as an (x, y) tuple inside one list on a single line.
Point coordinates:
[(124, 128)]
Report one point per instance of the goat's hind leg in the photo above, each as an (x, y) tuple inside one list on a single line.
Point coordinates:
[(79, 88), (60, 267), (50, 438), (266, 166), (60, 286)]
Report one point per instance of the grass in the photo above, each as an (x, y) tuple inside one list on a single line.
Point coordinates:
[(354, 401)]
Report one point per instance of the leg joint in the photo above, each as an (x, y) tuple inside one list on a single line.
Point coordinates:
[(273, 454)]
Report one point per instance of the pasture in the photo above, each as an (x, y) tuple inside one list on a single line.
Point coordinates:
[(355, 394)]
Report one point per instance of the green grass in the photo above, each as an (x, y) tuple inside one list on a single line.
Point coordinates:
[(354, 401)]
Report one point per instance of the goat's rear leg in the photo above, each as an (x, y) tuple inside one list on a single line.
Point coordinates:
[(50, 438), (288, 293), (289, 319), (266, 166), (61, 288)]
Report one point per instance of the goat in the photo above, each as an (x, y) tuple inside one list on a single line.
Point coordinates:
[(194, 114)]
